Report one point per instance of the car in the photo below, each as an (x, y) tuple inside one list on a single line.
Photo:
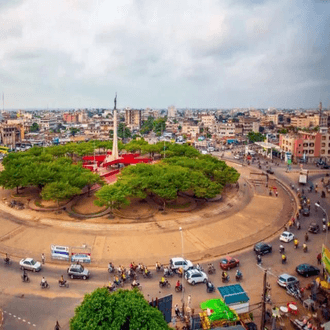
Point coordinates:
[(228, 263), (78, 271), (286, 237), (286, 279), (314, 228), (305, 212), (326, 166), (176, 263), (194, 276), (237, 157), (81, 257), (30, 264), (262, 248), (307, 270), (270, 171)]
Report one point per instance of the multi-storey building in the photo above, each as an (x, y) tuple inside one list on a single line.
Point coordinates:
[(190, 129), (70, 117), (305, 121), (208, 120), (10, 134), (133, 118), (171, 111)]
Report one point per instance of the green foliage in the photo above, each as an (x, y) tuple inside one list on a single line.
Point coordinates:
[(256, 137), (34, 127), (282, 131), (74, 131), (120, 310), (123, 131), (159, 125), (147, 125), (59, 191)]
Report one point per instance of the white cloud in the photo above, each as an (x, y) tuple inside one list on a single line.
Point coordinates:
[(159, 52)]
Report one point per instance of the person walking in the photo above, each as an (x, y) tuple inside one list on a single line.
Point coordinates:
[(57, 326), (319, 259), (43, 258)]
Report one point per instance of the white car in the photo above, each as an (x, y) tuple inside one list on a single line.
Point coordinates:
[(176, 263), (194, 276), (286, 237), (285, 279), (237, 157), (30, 264)]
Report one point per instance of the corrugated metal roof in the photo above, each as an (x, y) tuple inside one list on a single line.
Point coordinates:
[(233, 294)]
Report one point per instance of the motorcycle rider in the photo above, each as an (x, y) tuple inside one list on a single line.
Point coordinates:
[(180, 271), (111, 267), (306, 237), (116, 280), (305, 247), (198, 267), (62, 281), (210, 267), (24, 276), (123, 276), (258, 259), (166, 271), (135, 283), (7, 259), (296, 242), (162, 280), (238, 274), (158, 265), (43, 282), (283, 258), (146, 271), (281, 248), (224, 276)]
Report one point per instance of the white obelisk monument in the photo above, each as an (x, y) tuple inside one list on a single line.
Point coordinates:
[(115, 138)]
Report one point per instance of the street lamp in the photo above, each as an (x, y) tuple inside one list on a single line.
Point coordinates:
[(180, 229), (326, 215)]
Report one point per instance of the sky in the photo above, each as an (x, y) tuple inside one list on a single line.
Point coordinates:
[(156, 53)]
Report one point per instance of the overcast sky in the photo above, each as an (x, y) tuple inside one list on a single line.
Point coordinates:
[(155, 53)]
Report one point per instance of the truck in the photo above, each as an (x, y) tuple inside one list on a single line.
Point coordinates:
[(303, 176)]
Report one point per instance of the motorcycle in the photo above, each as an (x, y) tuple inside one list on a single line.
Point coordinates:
[(139, 286), (324, 228), (7, 261), (44, 285), (294, 291), (165, 284), (147, 275), (281, 249), (111, 269), (179, 288), (168, 272), (225, 279), (160, 268), (209, 287), (239, 277), (211, 270), (111, 288), (305, 249), (64, 284), (25, 278)]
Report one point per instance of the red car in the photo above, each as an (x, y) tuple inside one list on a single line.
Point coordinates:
[(228, 263)]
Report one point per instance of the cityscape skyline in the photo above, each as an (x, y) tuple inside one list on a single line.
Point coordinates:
[(219, 54)]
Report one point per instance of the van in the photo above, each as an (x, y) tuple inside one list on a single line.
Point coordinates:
[(60, 252)]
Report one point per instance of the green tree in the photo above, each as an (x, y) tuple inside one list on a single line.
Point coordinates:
[(159, 125), (73, 131), (59, 191), (34, 127), (120, 310), (123, 131), (147, 125), (256, 137)]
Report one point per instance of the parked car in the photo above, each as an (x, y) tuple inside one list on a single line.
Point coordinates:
[(314, 228), (30, 264), (286, 237), (305, 211), (228, 263), (286, 279), (78, 271), (262, 248), (194, 276), (307, 270), (176, 263), (326, 166)]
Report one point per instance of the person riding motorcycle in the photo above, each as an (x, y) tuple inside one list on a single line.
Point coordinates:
[(146, 271), (305, 247), (296, 242), (210, 267), (43, 282), (62, 281), (198, 267), (7, 259), (24, 276), (259, 259), (180, 271), (123, 277), (306, 237), (281, 248), (238, 274), (224, 276), (116, 280), (177, 285), (283, 258), (158, 265), (135, 283), (111, 267)]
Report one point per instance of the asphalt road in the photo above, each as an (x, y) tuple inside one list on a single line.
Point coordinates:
[(27, 302)]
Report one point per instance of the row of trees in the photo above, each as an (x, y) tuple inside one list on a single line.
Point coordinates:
[(185, 169), (152, 124), (57, 177)]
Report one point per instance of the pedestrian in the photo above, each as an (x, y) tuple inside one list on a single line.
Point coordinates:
[(189, 301), (43, 258), (276, 193), (57, 326), (177, 310), (293, 220), (298, 225)]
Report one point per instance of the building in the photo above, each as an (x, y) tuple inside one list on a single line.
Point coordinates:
[(247, 124), (305, 121), (190, 129), (70, 117), (10, 135), (208, 120), (235, 298), (133, 118), (171, 112)]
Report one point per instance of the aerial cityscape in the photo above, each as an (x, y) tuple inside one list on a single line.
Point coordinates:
[(164, 165)]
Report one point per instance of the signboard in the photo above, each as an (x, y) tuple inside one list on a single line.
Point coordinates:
[(60, 252), (326, 258), (164, 304)]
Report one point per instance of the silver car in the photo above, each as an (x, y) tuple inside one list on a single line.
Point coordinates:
[(285, 279), (30, 264)]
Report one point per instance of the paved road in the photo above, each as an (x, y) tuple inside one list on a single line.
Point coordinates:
[(29, 302)]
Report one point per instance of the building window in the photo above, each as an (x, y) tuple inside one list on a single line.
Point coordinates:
[(324, 138), (311, 151), (311, 144), (322, 151), (323, 144)]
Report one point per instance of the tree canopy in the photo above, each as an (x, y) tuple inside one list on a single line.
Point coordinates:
[(256, 137), (120, 310)]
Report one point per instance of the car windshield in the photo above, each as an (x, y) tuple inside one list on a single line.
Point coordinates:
[(33, 262), (282, 279), (224, 261)]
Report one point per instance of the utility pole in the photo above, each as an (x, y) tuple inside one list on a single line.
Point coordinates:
[(263, 311)]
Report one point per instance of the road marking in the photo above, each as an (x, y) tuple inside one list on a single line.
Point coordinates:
[(19, 318)]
